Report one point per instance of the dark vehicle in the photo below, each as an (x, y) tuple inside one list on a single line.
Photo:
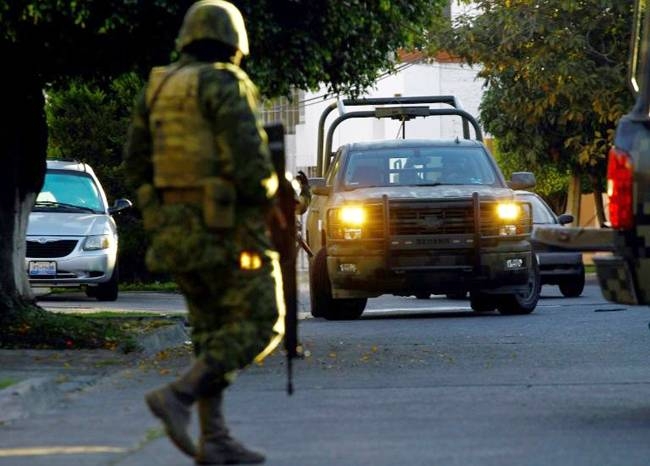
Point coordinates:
[(418, 217), (557, 266), (624, 277)]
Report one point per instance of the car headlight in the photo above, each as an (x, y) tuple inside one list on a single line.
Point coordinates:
[(93, 243)]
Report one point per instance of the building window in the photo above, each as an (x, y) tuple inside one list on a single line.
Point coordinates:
[(289, 111)]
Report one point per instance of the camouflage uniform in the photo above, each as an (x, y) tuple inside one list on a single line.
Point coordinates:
[(198, 151)]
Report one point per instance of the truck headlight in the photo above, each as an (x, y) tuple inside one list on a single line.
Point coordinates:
[(354, 216), (508, 211), (347, 222), (93, 243), (508, 214)]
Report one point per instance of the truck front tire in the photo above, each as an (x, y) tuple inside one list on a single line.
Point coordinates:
[(322, 303), (523, 303)]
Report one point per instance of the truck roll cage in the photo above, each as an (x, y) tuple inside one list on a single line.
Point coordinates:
[(404, 111)]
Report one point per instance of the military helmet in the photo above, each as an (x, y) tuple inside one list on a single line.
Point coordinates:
[(214, 19)]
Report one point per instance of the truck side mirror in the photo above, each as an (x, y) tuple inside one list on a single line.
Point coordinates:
[(321, 190), (564, 219), (522, 180)]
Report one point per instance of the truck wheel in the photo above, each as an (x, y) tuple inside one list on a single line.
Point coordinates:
[(481, 302), (523, 303), (573, 287), (322, 303), (107, 291)]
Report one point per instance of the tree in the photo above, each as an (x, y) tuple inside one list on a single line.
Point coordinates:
[(554, 72), (294, 43)]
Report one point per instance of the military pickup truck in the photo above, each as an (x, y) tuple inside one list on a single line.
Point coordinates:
[(417, 217), (624, 277)]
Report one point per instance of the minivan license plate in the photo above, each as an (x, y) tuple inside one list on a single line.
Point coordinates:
[(42, 269)]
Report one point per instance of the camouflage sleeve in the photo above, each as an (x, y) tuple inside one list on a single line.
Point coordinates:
[(137, 151), (231, 103)]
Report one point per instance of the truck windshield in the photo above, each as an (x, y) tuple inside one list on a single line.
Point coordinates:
[(423, 166)]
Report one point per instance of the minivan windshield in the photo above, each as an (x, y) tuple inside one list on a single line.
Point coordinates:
[(420, 166), (68, 191)]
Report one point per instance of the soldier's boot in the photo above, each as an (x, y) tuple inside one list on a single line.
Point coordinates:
[(172, 404), (216, 446)]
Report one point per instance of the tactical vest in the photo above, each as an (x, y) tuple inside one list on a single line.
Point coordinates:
[(185, 159), (183, 146)]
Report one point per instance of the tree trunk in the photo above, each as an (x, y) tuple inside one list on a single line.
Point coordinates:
[(23, 147), (573, 199), (598, 200)]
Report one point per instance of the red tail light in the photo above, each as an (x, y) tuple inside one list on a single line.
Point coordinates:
[(620, 170)]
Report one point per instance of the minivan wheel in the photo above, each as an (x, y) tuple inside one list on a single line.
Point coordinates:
[(107, 291), (322, 303)]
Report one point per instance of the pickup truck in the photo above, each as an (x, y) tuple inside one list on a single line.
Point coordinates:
[(417, 217)]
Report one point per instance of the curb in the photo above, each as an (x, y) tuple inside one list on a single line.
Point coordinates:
[(36, 395), (163, 338)]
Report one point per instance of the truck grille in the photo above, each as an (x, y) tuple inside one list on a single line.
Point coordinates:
[(447, 218), (415, 219), (51, 249)]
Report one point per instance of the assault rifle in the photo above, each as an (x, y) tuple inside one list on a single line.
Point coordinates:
[(283, 233)]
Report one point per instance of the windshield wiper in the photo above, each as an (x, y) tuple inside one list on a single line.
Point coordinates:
[(64, 205)]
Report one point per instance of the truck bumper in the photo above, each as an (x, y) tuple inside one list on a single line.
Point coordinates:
[(497, 272)]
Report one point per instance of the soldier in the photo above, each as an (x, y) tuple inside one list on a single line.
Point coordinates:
[(198, 153)]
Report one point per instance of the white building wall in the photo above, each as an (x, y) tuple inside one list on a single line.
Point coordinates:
[(415, 80)]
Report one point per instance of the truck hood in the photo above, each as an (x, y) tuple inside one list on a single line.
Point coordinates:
[(424, 192), (69, 224)]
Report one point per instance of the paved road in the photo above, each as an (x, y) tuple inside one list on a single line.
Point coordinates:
[(411, 383)]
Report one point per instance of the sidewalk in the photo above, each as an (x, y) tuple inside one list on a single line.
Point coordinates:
[(86, 407), (38, 378)]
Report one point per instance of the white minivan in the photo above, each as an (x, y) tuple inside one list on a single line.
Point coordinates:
[(71, 236)]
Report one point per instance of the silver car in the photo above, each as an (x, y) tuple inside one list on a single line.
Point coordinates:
[(72, 237), (557, 266)]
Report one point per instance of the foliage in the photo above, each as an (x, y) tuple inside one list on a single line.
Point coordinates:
[(39, 329), (341, 43), (164, 286), (554, 72), (297, 43), (552, 180), (6, 382)]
